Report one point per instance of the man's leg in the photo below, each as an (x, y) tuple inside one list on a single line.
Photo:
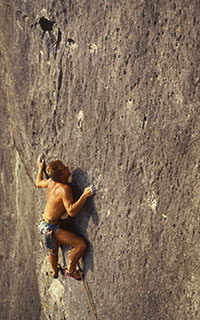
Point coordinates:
[(79, 246), (53, 259)]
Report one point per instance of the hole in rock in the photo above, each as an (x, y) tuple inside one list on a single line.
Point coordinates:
[(45, 24), (70, 41)]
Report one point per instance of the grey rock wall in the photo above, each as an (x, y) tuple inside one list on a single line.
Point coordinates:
[(112, 89)]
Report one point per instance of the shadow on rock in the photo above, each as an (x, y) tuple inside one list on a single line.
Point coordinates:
[(79, 223)]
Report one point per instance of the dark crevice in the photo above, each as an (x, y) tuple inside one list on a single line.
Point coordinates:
[(60, 80), (144, 121), (59, 38), (60, 77)]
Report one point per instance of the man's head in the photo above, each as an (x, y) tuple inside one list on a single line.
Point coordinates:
[(57, 171)]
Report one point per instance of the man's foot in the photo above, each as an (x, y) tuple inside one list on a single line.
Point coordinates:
[(55, 273), (74, 274)]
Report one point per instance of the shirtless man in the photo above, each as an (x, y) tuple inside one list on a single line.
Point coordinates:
[(60, 200)]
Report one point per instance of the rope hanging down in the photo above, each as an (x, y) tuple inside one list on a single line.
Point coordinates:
[(87, 293)]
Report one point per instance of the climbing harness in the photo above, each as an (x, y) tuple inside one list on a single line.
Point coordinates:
[(87, 293)]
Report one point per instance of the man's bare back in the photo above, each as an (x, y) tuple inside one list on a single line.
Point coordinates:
[(54, 208)]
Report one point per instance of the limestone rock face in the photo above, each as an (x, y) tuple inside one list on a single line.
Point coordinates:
[(112, 89)]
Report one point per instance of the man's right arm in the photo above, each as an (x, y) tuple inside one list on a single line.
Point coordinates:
[(40, 182), (72, 207)]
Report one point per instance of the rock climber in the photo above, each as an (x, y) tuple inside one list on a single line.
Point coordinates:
[(59, 200)]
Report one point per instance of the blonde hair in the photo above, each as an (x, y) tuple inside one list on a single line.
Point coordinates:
[(54, 170)]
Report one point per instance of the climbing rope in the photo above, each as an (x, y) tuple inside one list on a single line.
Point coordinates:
[(87, 293)]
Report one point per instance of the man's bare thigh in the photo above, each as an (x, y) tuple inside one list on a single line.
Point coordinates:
[(67, 238)]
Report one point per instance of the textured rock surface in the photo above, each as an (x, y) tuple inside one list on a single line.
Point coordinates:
[(112, 89)]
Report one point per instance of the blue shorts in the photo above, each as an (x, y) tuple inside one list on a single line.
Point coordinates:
[(48, 230)]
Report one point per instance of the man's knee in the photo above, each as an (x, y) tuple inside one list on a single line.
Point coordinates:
[(51, 253), (54, 251)]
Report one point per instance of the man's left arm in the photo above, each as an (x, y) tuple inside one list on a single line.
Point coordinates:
[(40, 182), (72, 207)]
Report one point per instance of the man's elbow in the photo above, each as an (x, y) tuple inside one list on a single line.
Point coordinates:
[(71, 213)]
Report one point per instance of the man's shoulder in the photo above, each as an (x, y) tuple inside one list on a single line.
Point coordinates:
[(64, 187), (58, 187), (65, 191)]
